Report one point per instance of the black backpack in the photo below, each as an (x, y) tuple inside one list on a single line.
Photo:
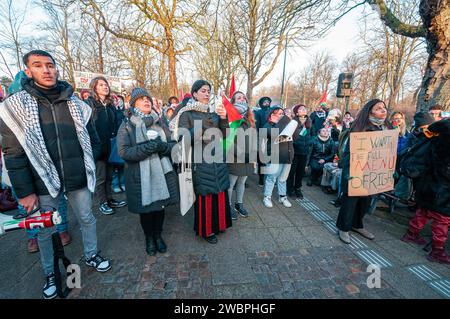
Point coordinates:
[(415, 161)]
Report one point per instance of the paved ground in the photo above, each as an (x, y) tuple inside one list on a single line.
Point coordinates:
[(274, 253)]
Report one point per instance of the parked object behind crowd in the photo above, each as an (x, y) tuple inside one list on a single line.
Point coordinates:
[(151, 182)]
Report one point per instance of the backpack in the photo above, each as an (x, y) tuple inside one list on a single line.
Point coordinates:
[(415, 160)]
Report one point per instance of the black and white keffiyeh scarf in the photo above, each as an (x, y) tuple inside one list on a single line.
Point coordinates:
[(21, 114), (192, 105)]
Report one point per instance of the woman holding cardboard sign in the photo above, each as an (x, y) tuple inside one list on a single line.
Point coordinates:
[(372, 117)]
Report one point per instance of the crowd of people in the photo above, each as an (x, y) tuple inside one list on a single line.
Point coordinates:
[(60, 149)]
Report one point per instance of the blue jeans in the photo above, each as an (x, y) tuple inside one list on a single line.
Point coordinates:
[(118, 177), (276, 173), (64, 226), (81, 203)]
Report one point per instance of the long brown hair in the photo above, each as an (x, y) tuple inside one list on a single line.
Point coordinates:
[(93, 86), (362, 119), (249, 117)]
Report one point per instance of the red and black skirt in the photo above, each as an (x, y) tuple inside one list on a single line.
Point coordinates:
[(212, 214)]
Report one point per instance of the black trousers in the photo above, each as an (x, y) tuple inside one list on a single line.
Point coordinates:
[(152, 222), (352, 212), (297, 172)]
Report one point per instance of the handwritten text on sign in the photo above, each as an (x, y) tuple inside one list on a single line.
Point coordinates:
[(372, 162)]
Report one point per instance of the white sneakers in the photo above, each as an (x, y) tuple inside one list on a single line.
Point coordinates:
[(285, 201), (267, 201)]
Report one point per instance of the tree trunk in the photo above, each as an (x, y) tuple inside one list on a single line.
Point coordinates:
[(436, 81), (249, 89)]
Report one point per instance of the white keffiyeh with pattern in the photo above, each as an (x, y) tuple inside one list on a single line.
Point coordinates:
[(21, 114)]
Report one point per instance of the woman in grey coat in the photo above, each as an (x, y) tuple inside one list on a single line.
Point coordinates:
[(150, 180)]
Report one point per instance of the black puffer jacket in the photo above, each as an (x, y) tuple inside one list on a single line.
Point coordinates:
[(104, 117), (286, 149), (133, 154), (208, 178), (302, 145), (433, 187), (61, 140)]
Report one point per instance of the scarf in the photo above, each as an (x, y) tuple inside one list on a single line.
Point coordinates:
[(242, 108), (323, 139), (142, 115), (20, 112), (192, 105), (375, 121), (321, 114), (153, 169)]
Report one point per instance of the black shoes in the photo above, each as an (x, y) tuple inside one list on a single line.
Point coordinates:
[(160, 244), (298, 193), (212, 239), (150, 245), (241, 210), (154, 243)]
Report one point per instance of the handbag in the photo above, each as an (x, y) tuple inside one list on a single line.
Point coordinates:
[(187, 195), (114, 157)]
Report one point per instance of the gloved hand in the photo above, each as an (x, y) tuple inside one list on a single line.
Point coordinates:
[(161, 146)]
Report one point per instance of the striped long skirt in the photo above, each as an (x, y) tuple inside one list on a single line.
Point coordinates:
[(212, 214)]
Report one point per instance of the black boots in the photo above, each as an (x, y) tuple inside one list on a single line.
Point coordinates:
[(150, 245), (154, 243), (160, 244)]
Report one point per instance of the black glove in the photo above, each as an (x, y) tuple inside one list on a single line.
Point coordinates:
[(161, 146)]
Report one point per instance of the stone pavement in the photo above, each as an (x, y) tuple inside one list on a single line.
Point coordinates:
[(274, 253)]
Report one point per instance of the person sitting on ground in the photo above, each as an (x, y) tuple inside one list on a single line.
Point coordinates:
[(322, 152)]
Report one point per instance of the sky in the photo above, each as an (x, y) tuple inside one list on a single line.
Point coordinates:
[(341, 40)]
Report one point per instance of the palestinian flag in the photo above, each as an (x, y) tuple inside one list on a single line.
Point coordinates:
[(235, 119)]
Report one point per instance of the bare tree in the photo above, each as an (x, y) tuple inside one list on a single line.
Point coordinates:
[(434, 26), (160, 22), (11, 39), (260, 28)]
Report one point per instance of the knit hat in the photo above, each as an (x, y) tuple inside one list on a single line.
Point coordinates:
[(422, 118), (138, 93)]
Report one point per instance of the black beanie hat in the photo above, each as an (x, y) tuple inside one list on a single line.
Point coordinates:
[(422, 118), (138, 93)]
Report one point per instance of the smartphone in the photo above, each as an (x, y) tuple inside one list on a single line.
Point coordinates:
[(445, 114)]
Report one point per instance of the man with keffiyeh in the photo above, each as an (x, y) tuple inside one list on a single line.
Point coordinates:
[(50, 147)]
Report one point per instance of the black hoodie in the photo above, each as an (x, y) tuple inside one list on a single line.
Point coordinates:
[(61, 140)]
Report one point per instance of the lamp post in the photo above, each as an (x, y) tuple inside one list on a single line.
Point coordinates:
[(284, 70)]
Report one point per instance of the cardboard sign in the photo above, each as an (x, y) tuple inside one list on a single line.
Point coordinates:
[(82, 80), (372, 162)]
